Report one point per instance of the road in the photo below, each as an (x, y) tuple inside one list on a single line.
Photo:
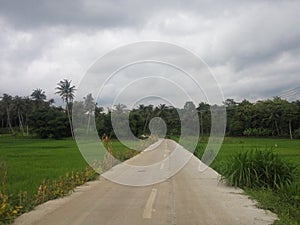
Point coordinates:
[(189, 197)]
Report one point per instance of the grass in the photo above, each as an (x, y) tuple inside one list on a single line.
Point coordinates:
[(33, 171), (285, 200), (31, 161), (258, 168), (288, 150)]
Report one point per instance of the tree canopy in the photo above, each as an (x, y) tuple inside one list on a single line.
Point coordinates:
[(35, 115)]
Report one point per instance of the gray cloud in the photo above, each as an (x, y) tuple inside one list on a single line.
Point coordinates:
[(253, 47)]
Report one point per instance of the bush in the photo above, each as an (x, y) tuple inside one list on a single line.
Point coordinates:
[(49, 123), (258, 168)]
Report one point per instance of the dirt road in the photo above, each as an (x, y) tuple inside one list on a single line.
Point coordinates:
[(190, 197)]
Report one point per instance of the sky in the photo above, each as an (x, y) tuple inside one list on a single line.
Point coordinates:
[(252, 48)]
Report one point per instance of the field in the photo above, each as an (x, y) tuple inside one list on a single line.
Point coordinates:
[(30, 161), (288, 149), (284, 202)]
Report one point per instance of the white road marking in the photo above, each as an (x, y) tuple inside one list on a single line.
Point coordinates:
[(149, 205)]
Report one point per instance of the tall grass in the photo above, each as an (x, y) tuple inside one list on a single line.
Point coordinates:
[(258, 168), (269, 178)]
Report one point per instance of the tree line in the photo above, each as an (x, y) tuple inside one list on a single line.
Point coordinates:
[(35, 115)]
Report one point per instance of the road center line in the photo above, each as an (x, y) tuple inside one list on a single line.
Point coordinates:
[(147, 214)]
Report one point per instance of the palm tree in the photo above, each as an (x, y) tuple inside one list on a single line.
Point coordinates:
[(38, 95), (66, 92)]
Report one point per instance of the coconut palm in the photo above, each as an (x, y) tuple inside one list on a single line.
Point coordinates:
[(38, 95), (66, 91)]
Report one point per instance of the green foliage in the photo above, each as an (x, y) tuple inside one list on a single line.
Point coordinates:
[(290, 193), (48, 190), (49, 123), (275, 201), (37, 170), (284, 200), (258, 168)]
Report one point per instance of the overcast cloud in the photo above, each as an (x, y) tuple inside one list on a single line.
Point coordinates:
[(252, 47)]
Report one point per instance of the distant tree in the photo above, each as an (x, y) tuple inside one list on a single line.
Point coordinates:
[(39, 96), (2, 114), (189, 106), (66, 91), (49, 123), (19, 107), (7, 104), (146, 113), (189, 118), (203, 110), (89, 106)]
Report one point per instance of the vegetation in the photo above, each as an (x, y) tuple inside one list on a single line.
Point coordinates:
[(240, 157), (66, 91), (33, 171), (258, 169), (267, 118)]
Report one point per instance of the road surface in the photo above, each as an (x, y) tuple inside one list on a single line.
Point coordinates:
[(189, 197)]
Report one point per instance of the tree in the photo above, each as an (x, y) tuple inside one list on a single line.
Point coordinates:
[(49, 123), (39, 96), (7, 102), (89, 106), (189, 118), (19, 107), (205, 117), (66, 91), (146, 113)]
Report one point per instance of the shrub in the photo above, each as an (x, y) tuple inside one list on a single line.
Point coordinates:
[(49, 123), (257, 168)]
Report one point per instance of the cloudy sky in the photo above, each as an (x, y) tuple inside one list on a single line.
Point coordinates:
[(252, 47)]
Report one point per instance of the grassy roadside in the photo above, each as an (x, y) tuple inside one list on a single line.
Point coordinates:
[(285, 202), (33, 171), (32, 163)]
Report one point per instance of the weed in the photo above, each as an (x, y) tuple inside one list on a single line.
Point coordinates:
[(258, 168)]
